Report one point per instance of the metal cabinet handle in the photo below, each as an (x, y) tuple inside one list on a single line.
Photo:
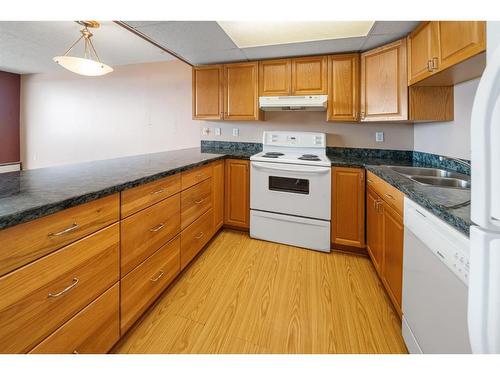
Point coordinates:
[(65, 290), (389, 196), (199, 235), (379, 205), (429, 65), (158, 191), (369, 181), (199, 201), (155, 279), (434, 63), (157, 228), (362, 115), (199, 175), (65, 231), (75, 352)]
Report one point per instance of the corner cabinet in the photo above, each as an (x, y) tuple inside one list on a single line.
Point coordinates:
[(226, 92), (348, 207), (237, 194), (207, 92), (343, 87), (384, 84), (422, 51)]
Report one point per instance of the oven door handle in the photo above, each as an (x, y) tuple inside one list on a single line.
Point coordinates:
[(290, 168)]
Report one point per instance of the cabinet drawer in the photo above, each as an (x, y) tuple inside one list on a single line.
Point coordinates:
[(29, 241), (387, 192), (193, 176), (36, 299), (143, 196), (146, 231), (194, 237), (145, 283), (94, 330), (195, 201)]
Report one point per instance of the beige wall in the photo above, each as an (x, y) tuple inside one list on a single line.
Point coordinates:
[(396, 136), (450, 138), (137, 109)]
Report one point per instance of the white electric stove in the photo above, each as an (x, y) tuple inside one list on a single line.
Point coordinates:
[(290, 190)]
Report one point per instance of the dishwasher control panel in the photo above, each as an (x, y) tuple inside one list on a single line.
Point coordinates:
[(447, 243)]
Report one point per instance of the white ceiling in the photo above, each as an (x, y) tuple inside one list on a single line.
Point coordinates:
[(205, 42), (29, 46)]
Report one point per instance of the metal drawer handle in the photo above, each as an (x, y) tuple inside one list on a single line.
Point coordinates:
[(434, 63), (199, 201), (389, 196), (75, 352), (199, 235), (65, 231), (158, 191), (65, 290), (369, 181), (157, 228), (155, 279), (200, 175)]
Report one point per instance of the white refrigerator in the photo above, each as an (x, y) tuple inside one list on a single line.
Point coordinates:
[(484, 279)]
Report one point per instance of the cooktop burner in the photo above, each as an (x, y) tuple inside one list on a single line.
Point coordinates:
[(267, 154), (310, 157), (270, 156)]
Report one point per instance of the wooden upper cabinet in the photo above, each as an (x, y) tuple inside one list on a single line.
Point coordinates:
[(207, 92), (237, 193), (343, 87), (241, 91), (422, 51), (309, 75), (459, 40), (275, 77), (384, 85), (348, 206)]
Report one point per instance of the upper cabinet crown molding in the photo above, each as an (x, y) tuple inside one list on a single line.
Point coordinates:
[(384, 88), (446, 52)]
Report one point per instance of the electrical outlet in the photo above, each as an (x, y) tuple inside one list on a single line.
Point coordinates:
[(236, 132), (217, 131), (205, 131), (379, 137)]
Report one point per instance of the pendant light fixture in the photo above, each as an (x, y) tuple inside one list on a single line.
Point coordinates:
[(89, 64)]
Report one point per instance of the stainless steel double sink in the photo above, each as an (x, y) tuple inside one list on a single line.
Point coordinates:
[(434, 177)]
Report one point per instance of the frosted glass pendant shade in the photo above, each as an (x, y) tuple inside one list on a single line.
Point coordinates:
[(82, 66)]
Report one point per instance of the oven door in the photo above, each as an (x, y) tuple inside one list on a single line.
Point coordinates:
[(292, 189)]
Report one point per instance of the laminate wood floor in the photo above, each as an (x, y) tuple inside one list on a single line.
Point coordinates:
[(247, 296)]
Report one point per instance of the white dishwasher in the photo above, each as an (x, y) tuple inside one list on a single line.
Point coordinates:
[(435, 284)]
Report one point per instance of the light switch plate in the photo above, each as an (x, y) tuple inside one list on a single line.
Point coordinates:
[(217, 131), (236, 132), (205, 131), (379, 137)]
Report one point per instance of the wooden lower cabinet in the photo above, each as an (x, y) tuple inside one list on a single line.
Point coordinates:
[(145, 283), (384, 242), (392, 268), (195, 201), (37, 299), (94, 330), (237, 194), (348, 207), (374, 229), (194, 237), (218, 194)]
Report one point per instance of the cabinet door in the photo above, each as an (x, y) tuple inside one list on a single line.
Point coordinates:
[(392, 269), (309, 75), (241, 91), (374, 227), (348, 206), (218, 193), (275, 77), (459, 40), (384, 84), (343, 87), (237, 193), (207, 92), (423, 48)]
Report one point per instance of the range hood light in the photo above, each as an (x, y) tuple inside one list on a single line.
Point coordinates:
[(89, 64)]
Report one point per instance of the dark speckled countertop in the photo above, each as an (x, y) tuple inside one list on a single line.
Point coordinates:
[(31, 194)]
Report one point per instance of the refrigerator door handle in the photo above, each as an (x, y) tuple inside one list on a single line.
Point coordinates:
[(484, 142)]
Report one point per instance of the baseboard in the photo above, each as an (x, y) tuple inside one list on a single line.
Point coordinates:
[(361, 251)]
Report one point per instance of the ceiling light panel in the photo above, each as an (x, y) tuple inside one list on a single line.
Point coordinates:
[(253, 34)]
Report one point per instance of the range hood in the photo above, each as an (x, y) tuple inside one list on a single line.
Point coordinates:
[(293, 103)]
